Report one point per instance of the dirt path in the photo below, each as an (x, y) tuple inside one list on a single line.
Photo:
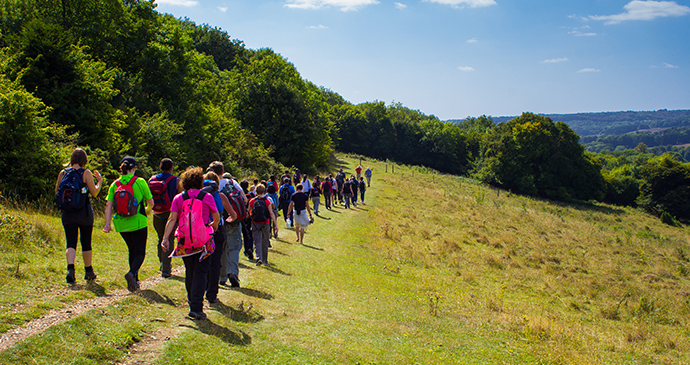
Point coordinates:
[(55, 317)]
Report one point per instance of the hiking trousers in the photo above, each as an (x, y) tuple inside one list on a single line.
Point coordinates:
[(196, 276), (262, 237), (230, 261), (159, 221), (215, 259), (327, 201), (316, 200), (136, 243)]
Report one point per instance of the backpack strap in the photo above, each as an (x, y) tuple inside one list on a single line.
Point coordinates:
[(185, 195)]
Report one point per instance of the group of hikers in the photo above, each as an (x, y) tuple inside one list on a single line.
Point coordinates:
[(211, 215)]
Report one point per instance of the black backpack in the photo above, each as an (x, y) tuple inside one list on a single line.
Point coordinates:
[(260, 210), (285, 193), (71, 196)]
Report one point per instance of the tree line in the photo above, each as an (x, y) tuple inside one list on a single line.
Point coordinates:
[(118, 78)]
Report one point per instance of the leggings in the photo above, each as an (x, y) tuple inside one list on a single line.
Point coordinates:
[(195, 281), (73, 232), (136, 243)]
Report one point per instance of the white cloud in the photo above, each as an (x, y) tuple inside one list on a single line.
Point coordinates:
[(320, 26), (465, 68), (556, 60), (583, 31), (645, 10), (463, 3), (473, 40), (400, 6), (344, 5), (186, 3), (668, 65), (222, 9), (588, 70)]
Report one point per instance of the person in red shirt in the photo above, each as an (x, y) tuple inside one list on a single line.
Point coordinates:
[(261, 214)]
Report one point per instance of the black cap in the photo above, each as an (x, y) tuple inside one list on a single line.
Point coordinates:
[(130, 161)]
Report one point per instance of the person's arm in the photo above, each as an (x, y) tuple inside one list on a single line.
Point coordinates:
[(57, 183), (94, 189), (169, 225), (108, 215), (216, 220), (273, 219), (290, 207), (149, 206), (309, 210)]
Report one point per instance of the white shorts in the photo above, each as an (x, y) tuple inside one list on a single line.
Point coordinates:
[(302, 219)]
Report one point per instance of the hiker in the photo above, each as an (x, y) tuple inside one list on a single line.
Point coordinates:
[(347, 193), (164, 187), (299, 204), (306, 185), (261, 213), (77, 214), (316, 194), (247, 223), (255, 183), (296, 177), (211, 181), (340, 180), (367, 173), (358, 170), (129, 201), (354, 186), (362, 189), (195, 243), (334, 191), (285, 196), (272, 181), (327, 191), (272, 194), (230, 259)]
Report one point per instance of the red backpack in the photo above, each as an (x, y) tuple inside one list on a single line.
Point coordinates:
[(236, 201), (161, 197), (126, 204)]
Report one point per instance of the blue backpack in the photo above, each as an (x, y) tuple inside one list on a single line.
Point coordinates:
[(71, 194)]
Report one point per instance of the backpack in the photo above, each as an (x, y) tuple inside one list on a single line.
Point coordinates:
[(161, 196), (236, 201), (71, 195), (260, 210), (296, 178), (191, 227), (285, 193), (126, 204), (326, 187)]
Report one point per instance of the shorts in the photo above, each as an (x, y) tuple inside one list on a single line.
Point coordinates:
[(302, 219)]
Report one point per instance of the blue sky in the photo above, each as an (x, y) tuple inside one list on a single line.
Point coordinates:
[(459, 58)]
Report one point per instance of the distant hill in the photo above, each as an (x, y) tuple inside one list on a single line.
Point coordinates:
[(614, 123)]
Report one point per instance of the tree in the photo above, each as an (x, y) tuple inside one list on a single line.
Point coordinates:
[(665, 187), (533, 155)]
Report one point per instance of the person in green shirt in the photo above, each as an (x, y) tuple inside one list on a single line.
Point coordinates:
[(133, 229)]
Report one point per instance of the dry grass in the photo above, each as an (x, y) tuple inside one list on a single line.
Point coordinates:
[(581, 283)]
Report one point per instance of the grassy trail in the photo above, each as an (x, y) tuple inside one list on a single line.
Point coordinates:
[(448, 273)]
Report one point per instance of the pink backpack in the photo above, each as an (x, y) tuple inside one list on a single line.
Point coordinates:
[(191, 228)]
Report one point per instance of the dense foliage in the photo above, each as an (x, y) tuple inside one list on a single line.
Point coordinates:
[(118, 78)]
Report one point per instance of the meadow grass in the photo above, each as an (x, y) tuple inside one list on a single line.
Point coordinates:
[(434, 269)]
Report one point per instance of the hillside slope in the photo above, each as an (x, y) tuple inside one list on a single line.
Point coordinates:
[(433, 269)]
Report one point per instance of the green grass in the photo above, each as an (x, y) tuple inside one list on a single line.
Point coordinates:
[(432, 270)]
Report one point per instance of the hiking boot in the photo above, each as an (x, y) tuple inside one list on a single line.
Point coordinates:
[(90, 276), (132, 284), (166, 275), (70, 277), (199, 316), (214, 300), (234, 280), (259, 262)]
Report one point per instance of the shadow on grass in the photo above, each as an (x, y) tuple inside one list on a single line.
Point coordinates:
[(276, 270), (222, 333), (312, 247), (254, 293), (93, 287), (239, 314), (177, 278), (243, 266), (324, 218), (153, 297), (273, 250)]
